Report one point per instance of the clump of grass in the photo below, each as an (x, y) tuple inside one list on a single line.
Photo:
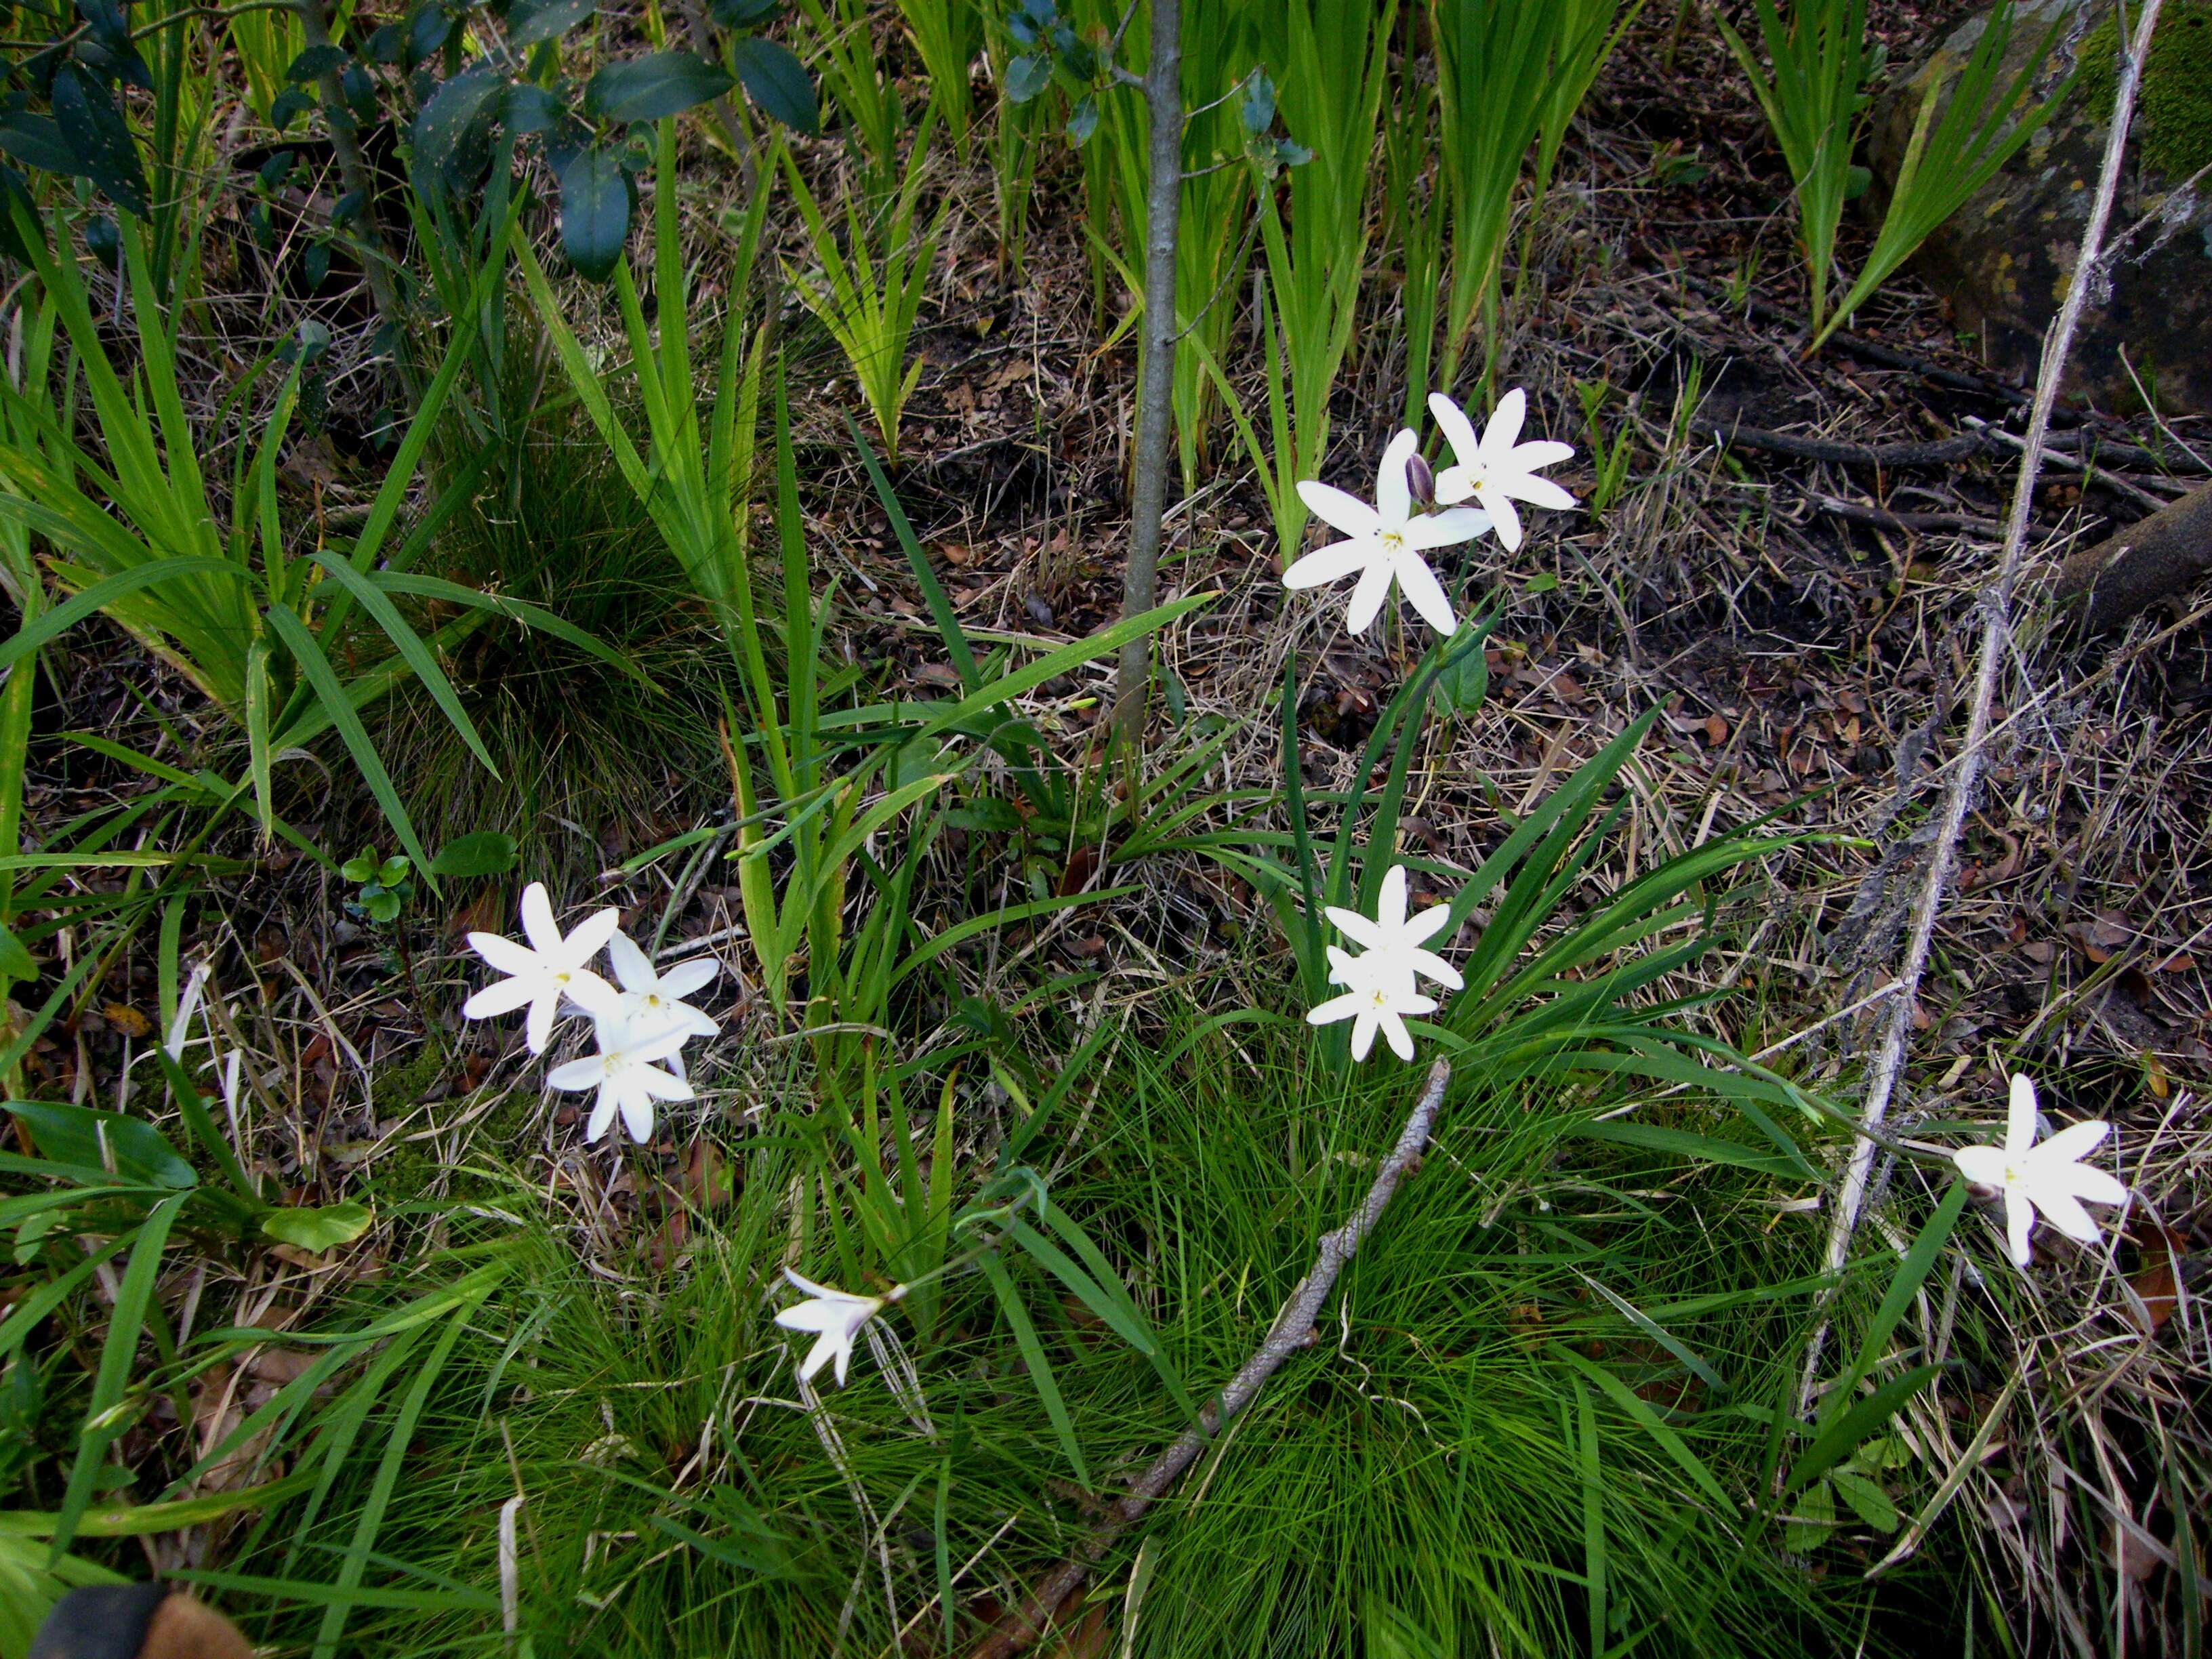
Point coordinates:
[(1482, 1447), (586, 752)]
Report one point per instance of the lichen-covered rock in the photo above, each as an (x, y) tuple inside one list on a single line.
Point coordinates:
[(2004, 259)]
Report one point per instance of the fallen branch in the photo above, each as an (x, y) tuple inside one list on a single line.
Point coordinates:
[(1882, 518), (1942, 451), (2160, 558), (1293, 1329), (1997, 634)]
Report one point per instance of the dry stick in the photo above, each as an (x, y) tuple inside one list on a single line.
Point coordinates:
[(1996, 631), (1293, 1329), (1156, 387)]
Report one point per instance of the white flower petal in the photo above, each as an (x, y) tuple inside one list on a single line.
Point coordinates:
[(1335, 508), (505, 954), (1390, 899), (1400, 1039), (1508, 524), (502, 997), (577, 1074), (1330, 564), (603, 1117), (1504, 428), (686, 978), (2071, 1143), (1428, 962), (1527, 457), (1456, 484), (538, 926), (1537, 492), (1363, 1031), (1448, 528), (1424, 593), (1336, 1008), (1983, 1165), (2020, 1117), (1394, 496), (1367, 598), (1459, 431), (2084, 1180), (633, 968), (538, 1025), (591, 932), (2064, 1212), (2020, 1218)]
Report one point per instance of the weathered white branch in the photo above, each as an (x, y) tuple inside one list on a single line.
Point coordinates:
[(1997, 634), (1293, 1329)]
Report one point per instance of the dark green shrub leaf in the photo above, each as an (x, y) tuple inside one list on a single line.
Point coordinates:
[(1259, 109), (776, 82), (94, 129), (486, 852), (427, 32), (315, 262), (594, 212), (89, 1139), (531, 20), (315, 62), (530, 108), (741, 13), (651, 88), (37, 143), (442, 131), (319, 1228), (287, 107), (1026, 77), (1083, 119)]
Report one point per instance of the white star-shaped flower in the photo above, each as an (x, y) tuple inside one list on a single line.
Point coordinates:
[(1393, 941), (651, 1001), (1379, 1000), (551, 966), (1384, 542), (837, 1317), (1380, 982), (2049, 1180), (627, 1075), (1496, 468)]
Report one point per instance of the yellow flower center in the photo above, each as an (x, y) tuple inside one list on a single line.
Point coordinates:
[(1379, 998), (1392, 542)]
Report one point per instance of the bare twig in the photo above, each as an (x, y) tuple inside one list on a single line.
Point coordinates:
[(1996, 636), (1148, 494), (1293, 1329)]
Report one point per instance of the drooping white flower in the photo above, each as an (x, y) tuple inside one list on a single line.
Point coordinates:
[(1384, 542), (1497, 469), (837, 1317), (628, 1074), (2048, 1179), (1392, 942), (651, 1001), (551, 966), (1379, 1000)]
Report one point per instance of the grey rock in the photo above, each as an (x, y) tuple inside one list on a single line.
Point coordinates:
[(2003, 260)]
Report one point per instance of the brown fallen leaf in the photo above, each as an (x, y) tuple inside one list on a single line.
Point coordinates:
[(125, 1019)]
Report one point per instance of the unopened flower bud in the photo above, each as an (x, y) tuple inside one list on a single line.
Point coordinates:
[(1421, 480)]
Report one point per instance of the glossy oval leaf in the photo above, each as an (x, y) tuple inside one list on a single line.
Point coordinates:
[(654, 86), (37, 143), (777, 83), (320, 1227), (532, 21), (127, 1147), (594, 212), (91, 125), (486, 852), (442, 129)]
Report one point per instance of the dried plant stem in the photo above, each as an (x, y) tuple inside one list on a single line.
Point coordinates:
[(1996, 636), (1148, 492), (1293, 1329)]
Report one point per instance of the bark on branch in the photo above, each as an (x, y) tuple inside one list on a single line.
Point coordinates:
[(1292, 1330), (1148, 493), (2155, 558)]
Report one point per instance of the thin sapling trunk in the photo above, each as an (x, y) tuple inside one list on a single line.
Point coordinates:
[(1155, 381)]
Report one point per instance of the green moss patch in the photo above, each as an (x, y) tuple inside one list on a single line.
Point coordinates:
[(2174, 116)]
